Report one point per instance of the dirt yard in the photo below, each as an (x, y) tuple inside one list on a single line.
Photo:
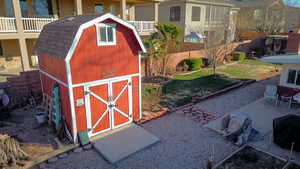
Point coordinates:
[(35, 140), (249, 158)]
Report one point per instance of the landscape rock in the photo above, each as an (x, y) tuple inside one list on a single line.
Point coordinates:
[(63, 155), (87, 147), (42, 166), (52, 160), (77, 150)]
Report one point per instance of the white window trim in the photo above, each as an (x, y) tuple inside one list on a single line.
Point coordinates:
[(287, 77), (98, 34), (199, 13)]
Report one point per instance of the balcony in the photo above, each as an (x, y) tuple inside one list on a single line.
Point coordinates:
[(144, 27), (35, 25), (30, 25)]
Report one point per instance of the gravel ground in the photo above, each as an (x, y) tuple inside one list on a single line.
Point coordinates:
[(238, 98), (184, 144)]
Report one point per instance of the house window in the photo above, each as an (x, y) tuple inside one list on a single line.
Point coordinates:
[(106, 34), (196, 13), (293, 77), (99, 9), (175, 13)]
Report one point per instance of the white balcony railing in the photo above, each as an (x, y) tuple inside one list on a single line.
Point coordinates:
[(144, 26), (7, 24), (35, 24)]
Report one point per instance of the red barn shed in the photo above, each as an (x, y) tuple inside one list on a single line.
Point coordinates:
[(95, 60)]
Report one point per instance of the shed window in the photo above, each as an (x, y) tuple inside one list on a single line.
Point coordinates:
[(294, 77), (175, 13), (106, 34), (196, 13)]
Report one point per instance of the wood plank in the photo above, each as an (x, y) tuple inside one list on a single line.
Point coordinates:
[(50, 155)]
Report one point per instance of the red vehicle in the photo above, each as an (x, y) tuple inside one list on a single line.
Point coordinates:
[(96, 62)]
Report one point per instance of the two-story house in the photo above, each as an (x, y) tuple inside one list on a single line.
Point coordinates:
[(269, 16), (21, 21), (199, 16)]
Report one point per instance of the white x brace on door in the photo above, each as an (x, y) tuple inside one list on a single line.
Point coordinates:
[(108, 105)]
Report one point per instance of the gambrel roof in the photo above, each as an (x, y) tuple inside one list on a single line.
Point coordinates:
[(59, 38)]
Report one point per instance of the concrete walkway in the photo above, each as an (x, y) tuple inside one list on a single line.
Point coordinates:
[(125, 142), (262, 113)]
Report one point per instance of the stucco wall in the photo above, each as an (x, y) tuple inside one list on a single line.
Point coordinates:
[(195, 26), (146, 12), (11, 49), (66, 7), (2, 9)]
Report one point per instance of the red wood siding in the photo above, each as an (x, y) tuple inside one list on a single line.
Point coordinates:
[(78, 93), (64, 97), (91, 62), (53, 66), (135, 98)]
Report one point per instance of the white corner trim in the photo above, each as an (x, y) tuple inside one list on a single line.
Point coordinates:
[(100, 19), (106, 25), (54, 78), (140, 83), (71, 99)]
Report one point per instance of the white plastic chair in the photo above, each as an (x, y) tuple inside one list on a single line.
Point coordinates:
[(271, 93)]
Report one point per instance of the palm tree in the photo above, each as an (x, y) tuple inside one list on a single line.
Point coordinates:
[(154, 51), (168, 36)]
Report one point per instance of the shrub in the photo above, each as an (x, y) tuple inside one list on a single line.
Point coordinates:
[(205, 62), (193, 64), (239, 56)]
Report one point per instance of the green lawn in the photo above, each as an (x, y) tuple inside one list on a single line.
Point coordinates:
[(247, 69), (184, 87)]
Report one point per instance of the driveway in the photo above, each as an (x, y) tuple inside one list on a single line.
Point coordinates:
[(184, 144)]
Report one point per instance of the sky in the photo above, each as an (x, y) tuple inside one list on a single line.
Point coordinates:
[(294, 3)]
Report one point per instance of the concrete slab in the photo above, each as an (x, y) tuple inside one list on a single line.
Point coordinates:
[(123, 143), (262, 113)]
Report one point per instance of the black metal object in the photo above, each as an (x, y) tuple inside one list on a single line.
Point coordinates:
[(286, 132)]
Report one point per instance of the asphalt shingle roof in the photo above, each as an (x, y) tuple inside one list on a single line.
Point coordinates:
[(57, 37)]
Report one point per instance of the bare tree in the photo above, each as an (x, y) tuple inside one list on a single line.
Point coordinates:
[(268, 20)]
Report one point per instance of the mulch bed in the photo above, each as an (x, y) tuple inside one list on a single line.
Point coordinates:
[(198, 115), (250, 158), (151, 116)]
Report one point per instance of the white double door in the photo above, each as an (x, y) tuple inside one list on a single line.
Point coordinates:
[(108, 105)]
